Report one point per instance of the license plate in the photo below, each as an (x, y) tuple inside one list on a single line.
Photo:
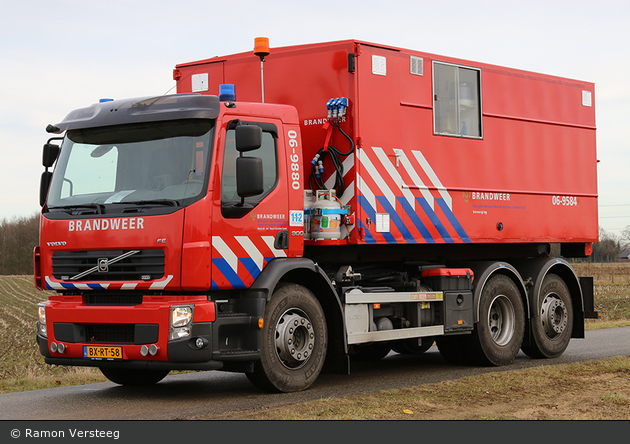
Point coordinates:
[(102, 353)]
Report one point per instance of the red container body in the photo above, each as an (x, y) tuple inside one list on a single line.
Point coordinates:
[(529, 177)]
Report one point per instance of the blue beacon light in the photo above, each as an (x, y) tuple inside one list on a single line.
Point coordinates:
[(227, 92)]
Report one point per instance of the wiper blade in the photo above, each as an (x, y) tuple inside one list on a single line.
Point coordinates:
[(170, 202), (98, 207)]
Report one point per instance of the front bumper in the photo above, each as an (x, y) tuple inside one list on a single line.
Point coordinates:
[(217, 340)]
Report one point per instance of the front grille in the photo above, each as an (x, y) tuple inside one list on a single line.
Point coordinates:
[(110, 333), (144, 265), (113, 299)]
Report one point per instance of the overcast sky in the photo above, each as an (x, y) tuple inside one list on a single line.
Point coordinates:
[(61, 55)]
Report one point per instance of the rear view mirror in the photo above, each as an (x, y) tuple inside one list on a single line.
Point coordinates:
[(44, 183), (50, 154), (248, 138), (249, 176)]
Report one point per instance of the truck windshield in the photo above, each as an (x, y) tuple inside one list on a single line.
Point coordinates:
[(147, 164)]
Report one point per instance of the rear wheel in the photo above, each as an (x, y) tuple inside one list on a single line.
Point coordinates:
[(294, 341), (498, 335), (454, 348), (551, 329), (128, 376)]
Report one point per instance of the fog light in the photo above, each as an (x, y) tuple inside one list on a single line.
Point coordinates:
[(144, 350), (199, 343), (153, 349), (53, 347), (61, 348)]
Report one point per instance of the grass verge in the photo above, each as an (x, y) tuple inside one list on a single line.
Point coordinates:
[(594, 390)]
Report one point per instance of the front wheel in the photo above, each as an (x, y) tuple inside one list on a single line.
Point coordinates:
[(552, 328), (294, 341), (498, 335), (129, 376)]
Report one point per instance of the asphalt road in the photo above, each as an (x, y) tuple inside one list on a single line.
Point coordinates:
[(203, 394)]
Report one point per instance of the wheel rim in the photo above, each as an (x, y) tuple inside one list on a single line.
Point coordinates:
[(295, 338), (554, 315), (501, 320)]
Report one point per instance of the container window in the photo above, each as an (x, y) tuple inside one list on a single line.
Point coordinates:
[(457, 96)]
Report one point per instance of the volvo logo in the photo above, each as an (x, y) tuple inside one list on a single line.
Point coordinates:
[(103, 265), (56, 244)]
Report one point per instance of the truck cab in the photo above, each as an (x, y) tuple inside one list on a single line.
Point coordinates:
[(174, 204)]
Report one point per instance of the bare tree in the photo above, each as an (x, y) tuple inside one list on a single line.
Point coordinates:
[(608, 249), (18, 237), (625, 237)]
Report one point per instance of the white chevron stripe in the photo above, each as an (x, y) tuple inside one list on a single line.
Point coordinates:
[(417, 181), (53, 285), (225, 252), (252, 251), (129, 286), (434, 179), (376, 177), (162, 284), (87, 287), (389, 167), (347, 164), (347, 194), (366, 192)]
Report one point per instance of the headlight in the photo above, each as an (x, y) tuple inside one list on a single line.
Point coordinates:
[(41, 324), (181, 316), (181, 320)]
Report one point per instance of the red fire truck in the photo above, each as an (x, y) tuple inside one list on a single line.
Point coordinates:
[(286, 212)]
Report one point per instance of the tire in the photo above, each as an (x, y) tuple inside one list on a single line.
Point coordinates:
[(294, 341), (127, 376), (454, 348), (552, 328), (498, 335), (411, 347)]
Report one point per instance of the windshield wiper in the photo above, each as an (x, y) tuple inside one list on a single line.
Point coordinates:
[(170, 202), (97, 206)]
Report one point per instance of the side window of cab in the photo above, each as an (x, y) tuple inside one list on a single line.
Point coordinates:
[(232, 205)]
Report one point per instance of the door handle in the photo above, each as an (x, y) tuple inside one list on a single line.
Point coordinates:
[(282, 240)]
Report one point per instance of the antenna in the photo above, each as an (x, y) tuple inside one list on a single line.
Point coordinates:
[(261, 49)]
